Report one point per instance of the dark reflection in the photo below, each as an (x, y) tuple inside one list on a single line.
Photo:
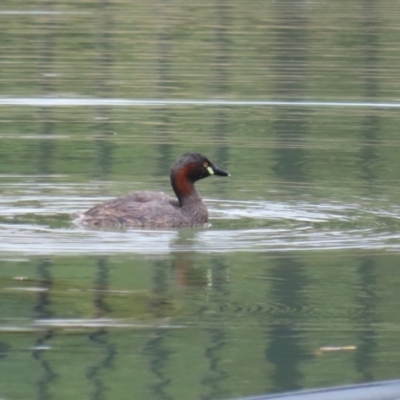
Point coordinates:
[(284, 339), (5, 349), (289, 64), (104, 19), (103, 146), (45, 281), (160, 280), (159, 357), (213, 354), (100, 338), (218, 337), (101, 285), (183, 264), (290, 129), (213, 278), (45, 45), (45, 146), (164, 81), (290, 53), (367, 301), (156, 348), (164, 87), (221, 59), (221, 86), (369, 156), (371, 31), (43, 310), (160, 304), (221, 150), (186, 275), (48, 374), (165, 152)]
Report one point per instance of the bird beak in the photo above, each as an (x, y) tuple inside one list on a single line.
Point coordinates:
[(214, 170)]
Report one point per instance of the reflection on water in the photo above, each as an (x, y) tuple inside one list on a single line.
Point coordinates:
[(210, 301), (294, 282), (43, 224), (221, 312)]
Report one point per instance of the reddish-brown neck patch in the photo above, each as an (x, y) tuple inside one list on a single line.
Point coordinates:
[(181, 180), (181, 183)]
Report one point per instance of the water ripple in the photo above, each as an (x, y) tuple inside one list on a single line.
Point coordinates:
[(31, 225)]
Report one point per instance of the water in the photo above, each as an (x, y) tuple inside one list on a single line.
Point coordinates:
[(293, 284)]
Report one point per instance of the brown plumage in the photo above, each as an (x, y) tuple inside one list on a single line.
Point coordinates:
[(155, 209)]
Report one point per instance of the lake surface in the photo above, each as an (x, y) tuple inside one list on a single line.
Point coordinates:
[(293, 284)]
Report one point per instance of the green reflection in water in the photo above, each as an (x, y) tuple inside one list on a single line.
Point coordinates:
[(183, 318), (201, 321)]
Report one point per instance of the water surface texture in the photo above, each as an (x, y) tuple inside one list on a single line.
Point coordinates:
[(293, 284)]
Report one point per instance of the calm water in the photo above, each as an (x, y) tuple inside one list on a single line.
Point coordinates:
[(295, 283)]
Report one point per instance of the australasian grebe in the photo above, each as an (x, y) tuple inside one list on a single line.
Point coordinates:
[(156, 209)]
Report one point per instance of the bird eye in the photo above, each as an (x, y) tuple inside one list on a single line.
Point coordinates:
[(205, 164)]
